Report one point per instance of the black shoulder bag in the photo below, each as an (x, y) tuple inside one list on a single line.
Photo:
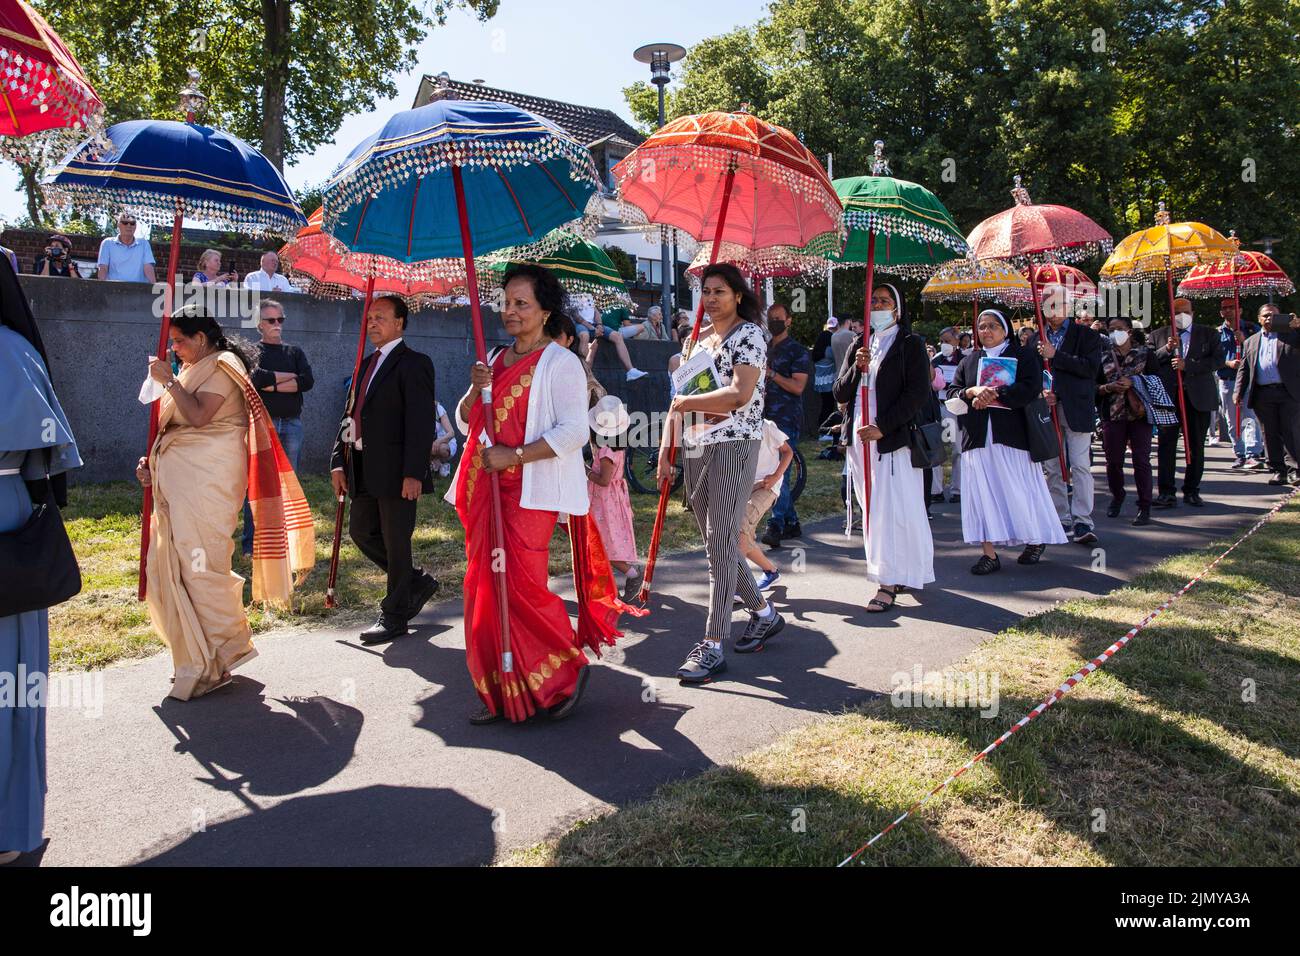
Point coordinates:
[(925, 431), (36, 560)]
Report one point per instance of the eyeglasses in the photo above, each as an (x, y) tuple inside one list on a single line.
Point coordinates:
[(274, 319), (126, 222)]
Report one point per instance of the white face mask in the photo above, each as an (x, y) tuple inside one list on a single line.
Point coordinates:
[(882, 319), (947, 349), (1184, 320), (1119, 336)]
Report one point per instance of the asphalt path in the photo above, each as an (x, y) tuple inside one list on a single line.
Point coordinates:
[(323, 751)]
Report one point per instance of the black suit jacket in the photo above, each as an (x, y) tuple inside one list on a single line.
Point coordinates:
[(1074, 370), (1204, 357), (1008, 423), (398, 422), (902, 387), (1288, 366)]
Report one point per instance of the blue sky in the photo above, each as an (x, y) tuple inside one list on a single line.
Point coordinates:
[(574, 50)]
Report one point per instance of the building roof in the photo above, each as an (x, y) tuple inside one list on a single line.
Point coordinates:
[(587, 124)]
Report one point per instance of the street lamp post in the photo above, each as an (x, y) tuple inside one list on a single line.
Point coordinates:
[(661, 56)]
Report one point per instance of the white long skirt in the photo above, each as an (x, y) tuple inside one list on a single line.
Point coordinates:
[(1004, 497), (897, 539)]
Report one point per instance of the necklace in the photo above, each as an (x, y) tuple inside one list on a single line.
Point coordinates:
[(514, 347)]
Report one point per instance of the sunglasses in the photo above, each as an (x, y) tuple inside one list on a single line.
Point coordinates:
[(126, 222), (274, 320)]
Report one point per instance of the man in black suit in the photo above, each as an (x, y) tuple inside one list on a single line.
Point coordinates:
[(381, 457), (1268, 383), (1072, 354), (1198, 353)]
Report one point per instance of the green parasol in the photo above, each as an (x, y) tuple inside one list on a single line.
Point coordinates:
[(582, 267)]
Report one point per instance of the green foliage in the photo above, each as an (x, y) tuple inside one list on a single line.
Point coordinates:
[(622, 262), (1107, 106)]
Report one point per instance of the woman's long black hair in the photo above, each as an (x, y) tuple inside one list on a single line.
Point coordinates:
[(548, 292), (194, 318), (749, 308)]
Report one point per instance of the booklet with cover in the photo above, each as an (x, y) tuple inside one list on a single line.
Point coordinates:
[(996, 371), (696, 375)]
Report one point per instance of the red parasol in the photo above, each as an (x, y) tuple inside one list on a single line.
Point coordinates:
[(1033, 235), (728, 178)]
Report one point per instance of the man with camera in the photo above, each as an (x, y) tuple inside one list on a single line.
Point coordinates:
[(56, 260), (1268, 383)]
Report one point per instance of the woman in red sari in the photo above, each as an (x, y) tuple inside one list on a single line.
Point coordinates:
[(539, 428)]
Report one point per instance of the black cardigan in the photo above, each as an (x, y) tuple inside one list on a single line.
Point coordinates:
[(1008, 423), (902, 387)]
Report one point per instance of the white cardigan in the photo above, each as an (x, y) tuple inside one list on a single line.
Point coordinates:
[(557, 413)]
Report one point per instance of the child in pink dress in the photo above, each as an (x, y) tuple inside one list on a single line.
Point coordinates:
[(612, 511)]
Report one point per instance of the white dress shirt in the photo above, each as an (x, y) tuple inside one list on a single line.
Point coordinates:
[(264, 282), (384, 352)]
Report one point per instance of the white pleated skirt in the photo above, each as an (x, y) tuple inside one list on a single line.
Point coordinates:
[(897, 539), (1004, 497)]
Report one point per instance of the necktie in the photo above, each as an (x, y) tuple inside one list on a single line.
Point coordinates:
[(371, 364)]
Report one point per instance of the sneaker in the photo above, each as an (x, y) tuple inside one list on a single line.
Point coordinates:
[(632, 586), (792, 531), (635, 373), (1213, 443), (955, 498), (1239, 463), (1143, 517), (702, 664), (1258, 464), (768, 579), (1164, 501), (1084, 535), (758, 631)]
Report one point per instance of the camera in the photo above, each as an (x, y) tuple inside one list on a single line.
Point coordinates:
[(56, 251)]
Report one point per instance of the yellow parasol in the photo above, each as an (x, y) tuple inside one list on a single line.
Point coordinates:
[(972, 280), (1167, 248)]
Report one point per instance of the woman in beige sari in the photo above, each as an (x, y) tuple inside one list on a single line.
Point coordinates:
[(214, 446)]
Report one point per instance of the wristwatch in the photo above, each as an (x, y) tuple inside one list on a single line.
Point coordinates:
[(519, 454)]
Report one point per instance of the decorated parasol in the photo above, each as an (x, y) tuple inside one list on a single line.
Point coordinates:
[(728, 178), (776, 262), (165, 172), (977, 280), (48, 103), (898, 227), (583, 268), (1163, 250), (1033, 235), (1248, 273), (463, 178)]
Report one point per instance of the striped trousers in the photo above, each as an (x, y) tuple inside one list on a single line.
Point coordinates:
[(719, 478)]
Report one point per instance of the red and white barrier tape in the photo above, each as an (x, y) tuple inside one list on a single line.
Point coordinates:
[(1075, 679)]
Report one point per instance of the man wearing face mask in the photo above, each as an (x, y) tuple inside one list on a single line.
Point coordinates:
[(1072, 354), (1249, 454), (1196, 352), (1268, 381), (789, 367), (946, 361)]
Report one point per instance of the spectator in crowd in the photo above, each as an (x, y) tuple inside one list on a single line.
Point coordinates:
[(56, 259), (124, 258), (268, 278), (208, 270), (607, 330), (789, 367), (841, 339), (11, 256), (653, 329), (444, 444), (1248, 443), (964, 344), (824, 357), (946, 362), (1197, 354), (281, 376), (1072, 356), (1268, 382), (1124, 421)]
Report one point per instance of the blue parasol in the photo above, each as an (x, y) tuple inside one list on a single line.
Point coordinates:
[(460, 178)]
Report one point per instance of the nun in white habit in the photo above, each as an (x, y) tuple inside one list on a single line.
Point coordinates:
[(899, 549), (1004, 496)]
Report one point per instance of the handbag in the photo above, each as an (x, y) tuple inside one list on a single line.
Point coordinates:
[(824, 375), (1043, 445), (925, 434), (36, 560)]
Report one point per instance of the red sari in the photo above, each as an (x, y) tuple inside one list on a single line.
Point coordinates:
[(546, 654)]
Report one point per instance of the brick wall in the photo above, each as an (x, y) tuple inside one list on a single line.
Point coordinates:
[(27, 244)]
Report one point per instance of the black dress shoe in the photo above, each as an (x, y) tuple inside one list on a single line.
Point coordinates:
[(1193, 499), (1115, 505), (383, 630), (1279, 480), (565, 707), (1031, 554), (771, 537), (425, 587), (986, 565), (1143, 517), (792, 531), (1164, 501)]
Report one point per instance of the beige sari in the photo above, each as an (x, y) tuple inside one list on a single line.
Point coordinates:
[(200, 476)]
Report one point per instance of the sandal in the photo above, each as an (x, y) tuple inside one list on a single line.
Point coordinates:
[(484, 716), (1031, 554), (987, 565), (876, 605)]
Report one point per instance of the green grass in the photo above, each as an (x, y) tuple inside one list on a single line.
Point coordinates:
[(1160, 741), (105, 623)]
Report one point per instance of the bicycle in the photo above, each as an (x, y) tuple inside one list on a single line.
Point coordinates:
[(641, 466)]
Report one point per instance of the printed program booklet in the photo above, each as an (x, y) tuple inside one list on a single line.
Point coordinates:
[(996, 371), (696, 375)]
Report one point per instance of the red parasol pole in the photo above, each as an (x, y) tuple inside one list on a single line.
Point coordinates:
[(1236, 311), (974, 318), (169, 302), (330, 597), (480, 351), (665, 488), (1042, 337), (863, 408), (1176, 341)]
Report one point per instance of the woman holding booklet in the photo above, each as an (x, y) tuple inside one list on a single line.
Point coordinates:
[(717, 415), (1004, 499)]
